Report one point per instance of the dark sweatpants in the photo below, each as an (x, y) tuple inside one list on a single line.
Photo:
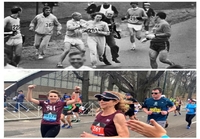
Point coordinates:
[(110, 41), (189, 118)]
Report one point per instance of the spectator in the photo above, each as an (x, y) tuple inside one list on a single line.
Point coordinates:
[(5, 99), (91, 8), (77, 60), (152, 131), (20, 100), (150, 13)]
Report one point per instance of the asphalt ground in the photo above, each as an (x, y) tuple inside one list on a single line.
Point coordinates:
[(31, 128)]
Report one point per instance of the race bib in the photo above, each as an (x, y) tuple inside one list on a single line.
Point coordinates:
[(92, 30), (97, 128), (133, 19), (155, 110), (50, 117)]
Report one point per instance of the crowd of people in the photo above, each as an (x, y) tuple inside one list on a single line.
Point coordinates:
[(101, 31), (111, 118)]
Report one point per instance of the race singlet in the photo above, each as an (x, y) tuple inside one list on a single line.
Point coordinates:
[(78, 105), (68, 107)]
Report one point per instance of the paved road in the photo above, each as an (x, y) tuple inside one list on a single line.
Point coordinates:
[(182, 52), (30, 128)]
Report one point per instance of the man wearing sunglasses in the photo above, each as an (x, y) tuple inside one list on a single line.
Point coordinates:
[(157, 107)]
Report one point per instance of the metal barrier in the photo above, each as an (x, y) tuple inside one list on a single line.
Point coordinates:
[(35, 112)]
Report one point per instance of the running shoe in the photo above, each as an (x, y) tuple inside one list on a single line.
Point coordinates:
[(107, 62), (188, 127), (94, 66), (101, 58), (115, 60), (73, 120), (59, 65), (40, 56), (63, 126), (166, 125), (133, 46), (78, 120), (27, 110), (69, 127)]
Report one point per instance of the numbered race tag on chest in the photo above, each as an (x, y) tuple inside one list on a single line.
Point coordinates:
[(133, 19), (50, 117), (98, 128), (93, 30), (155, 110)]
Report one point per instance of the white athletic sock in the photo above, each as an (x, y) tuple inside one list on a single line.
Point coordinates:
[(133, 46)]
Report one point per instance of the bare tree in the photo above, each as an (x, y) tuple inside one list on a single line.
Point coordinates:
[(85, 84)]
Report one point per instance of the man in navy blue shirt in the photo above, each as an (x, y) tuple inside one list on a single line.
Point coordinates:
[(20, 99), (157, 107)]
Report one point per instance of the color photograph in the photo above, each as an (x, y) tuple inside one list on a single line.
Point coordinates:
[(135, 104)]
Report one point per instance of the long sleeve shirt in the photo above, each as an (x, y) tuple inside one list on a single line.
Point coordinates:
[(44, 25)]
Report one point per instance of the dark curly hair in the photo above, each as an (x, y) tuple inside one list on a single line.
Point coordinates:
[(97, 13)]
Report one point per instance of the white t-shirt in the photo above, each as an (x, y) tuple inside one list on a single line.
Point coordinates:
[(83, 67), (137, 106)]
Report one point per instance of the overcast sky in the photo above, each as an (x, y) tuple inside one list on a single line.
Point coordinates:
[(15, 75)]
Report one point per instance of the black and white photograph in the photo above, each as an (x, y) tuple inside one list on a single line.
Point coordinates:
[(99, 35)]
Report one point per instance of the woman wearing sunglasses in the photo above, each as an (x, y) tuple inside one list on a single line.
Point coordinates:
[(110, 122)]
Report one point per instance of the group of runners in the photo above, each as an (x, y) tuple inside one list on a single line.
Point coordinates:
[(100, 29), (109, 122)]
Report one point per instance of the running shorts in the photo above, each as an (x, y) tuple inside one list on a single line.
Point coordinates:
[(159, 46)]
